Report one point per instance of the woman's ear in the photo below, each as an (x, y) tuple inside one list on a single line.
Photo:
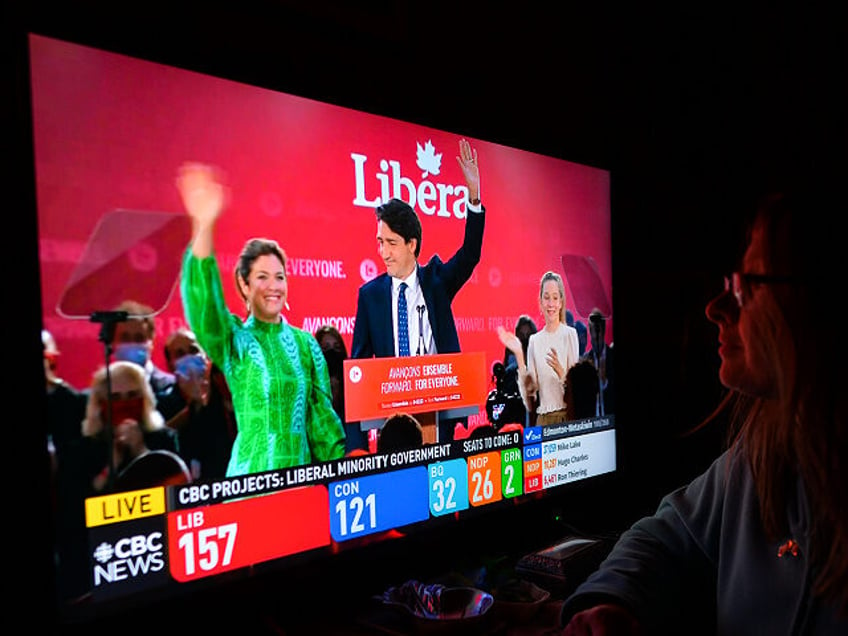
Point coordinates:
[(243, 286)]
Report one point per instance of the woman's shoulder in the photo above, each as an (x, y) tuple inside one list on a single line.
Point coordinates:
[(568, 328), (297, 332), (567, 331), (303, 337)]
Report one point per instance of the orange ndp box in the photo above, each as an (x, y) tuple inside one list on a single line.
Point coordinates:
[(375, 388)]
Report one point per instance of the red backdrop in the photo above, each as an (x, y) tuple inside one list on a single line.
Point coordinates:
[(111, 131)]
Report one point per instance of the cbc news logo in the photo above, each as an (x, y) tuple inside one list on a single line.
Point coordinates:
[(128, 558)]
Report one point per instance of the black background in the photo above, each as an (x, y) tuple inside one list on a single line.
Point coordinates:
[(695, 110)]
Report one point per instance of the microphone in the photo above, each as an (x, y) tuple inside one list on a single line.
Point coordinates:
[(421, 347)]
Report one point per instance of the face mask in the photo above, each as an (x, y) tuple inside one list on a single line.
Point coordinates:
[(126, 409), (190, 366), (132, 352)]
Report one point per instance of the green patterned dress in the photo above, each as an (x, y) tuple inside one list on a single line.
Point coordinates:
[(277, 375)]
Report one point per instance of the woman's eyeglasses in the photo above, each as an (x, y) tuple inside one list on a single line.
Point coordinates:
[(741, 283)]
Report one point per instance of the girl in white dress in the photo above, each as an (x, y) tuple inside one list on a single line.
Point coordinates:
[(552, 351)]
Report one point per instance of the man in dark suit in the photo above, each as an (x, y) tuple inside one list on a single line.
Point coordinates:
[(601, 357), (427, 291)]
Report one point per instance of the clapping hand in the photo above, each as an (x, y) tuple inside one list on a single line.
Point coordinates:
[(509, 340), (553, 362)]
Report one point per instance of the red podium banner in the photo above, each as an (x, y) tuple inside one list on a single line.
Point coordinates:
[(375, 388)]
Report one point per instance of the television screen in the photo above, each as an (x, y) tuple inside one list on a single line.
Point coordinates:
[(111, 133)]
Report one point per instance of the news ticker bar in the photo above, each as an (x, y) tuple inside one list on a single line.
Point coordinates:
[(152, 535)]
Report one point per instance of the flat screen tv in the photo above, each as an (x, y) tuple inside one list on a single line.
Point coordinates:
[(109, 134)]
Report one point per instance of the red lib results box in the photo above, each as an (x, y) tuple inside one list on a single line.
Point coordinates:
[(226, 536)]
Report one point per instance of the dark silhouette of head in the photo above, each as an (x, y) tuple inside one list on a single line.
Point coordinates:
[(582, 390), (400, 432), (597, 329), (524, 328)]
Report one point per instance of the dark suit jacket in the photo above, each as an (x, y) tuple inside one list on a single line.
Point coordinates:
[(164, 385), (609, 373), (373, 334)]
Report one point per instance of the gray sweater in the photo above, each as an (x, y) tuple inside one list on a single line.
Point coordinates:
[(702, 564)]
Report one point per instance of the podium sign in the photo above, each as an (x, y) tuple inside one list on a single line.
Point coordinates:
[(375, 388)]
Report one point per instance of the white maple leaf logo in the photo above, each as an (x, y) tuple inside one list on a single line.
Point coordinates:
[(429, 161)]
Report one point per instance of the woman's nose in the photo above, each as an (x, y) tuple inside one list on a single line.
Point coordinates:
[(723, 307)]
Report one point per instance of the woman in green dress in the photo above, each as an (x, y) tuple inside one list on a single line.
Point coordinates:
[(277, 373)]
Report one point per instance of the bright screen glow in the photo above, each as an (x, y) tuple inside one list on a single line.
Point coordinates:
[(110, 133)]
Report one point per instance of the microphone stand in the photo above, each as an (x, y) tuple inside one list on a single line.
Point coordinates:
[(107, 321), (422, 349)]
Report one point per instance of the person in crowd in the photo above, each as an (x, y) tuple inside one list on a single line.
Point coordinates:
[(407, 309), (203, 404), (582, 331), (757, 543), (551, 352), (401, 431), (581, 390), (65, 403), (134, 340), (524, 328), (601, 356), (65, 408), (335, 353), (121, 410), (276, 372), (504, 407)]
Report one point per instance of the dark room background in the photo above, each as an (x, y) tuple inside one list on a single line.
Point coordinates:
[(695, 109)]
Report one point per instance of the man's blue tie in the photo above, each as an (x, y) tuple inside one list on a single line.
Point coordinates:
[(403, 327)]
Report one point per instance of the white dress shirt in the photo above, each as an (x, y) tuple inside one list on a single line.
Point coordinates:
[(418, 321)]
